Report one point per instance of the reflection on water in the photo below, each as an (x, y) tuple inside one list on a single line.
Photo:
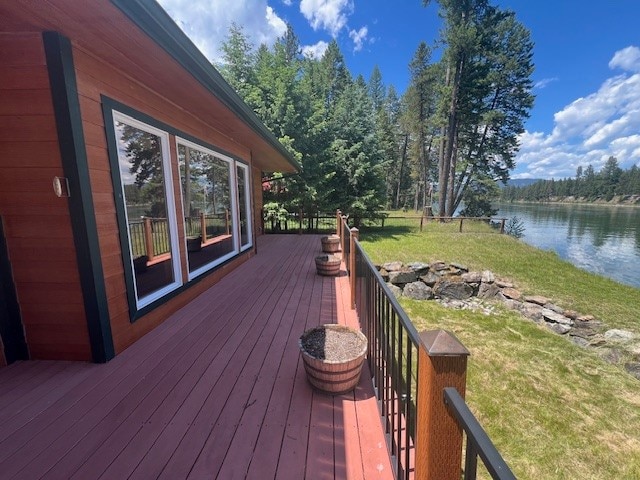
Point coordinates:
[(598, 238)]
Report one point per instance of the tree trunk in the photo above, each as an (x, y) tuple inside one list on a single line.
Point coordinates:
[(402, 160)]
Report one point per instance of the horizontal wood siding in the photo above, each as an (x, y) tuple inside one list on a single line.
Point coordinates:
[(256, 177), (95, 77), (38, 227)]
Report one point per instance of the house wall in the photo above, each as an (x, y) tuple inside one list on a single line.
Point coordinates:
[(256, 177), (37, 224), (96, 78)]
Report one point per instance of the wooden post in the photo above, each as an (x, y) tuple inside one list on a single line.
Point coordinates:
[(339, 223), (442, 362), (343, 219), (461, 220), (352, 265), (226, 221), (148, 237), (502, 225), (203, 226), (421, 219)]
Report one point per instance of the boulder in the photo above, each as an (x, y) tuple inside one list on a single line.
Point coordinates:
[(559, 328), (513, 304), (430, 278), (537, 299), (512, 293), (555, 308), (553, 317), (613, 356), (419, 267), (504, 283), (586, 318), (581, 342), (487, 290), (597, 341), (633, 368), (417, 291), (438, 266), (459, 266), (400, 277), (532, 311), (616, 335), (488, 277), (457, 290), (572, 314), (472, 277), (397, 291), (392, 266), (384, 274)]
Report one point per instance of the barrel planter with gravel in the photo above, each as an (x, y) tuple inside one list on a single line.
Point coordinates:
[(333, 357), (330, 244), (328, 265)]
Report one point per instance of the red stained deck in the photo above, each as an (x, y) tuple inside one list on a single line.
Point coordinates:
[(217, 391)]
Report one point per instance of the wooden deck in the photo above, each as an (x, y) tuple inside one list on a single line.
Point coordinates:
[(217, 391)]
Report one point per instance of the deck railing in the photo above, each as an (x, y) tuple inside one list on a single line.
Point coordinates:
[(419, 379)]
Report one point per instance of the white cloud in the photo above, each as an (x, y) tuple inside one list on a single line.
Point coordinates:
[(288, 3), (627, 59), (540, 84), (315, 51), (590, 129), (330, 15), (358, 37), (207, 22)]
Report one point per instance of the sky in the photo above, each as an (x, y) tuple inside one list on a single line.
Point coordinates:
[(586, 56)]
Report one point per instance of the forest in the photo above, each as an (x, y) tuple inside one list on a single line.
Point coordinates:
[(588, 185), (451, 137)]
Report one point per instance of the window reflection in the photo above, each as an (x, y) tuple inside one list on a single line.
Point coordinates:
[(206, 193), (243, 200), (142, 175)]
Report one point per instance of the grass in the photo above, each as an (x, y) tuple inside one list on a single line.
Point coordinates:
[(553, 409)]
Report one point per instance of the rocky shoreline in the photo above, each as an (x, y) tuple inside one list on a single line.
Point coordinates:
[(454, 286)]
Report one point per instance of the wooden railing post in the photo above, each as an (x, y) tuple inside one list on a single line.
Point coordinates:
[(352, 265), (203, 226), (442, 362), (343, 219), (148, 237), (300, 213), (339, 223), (226, 221)]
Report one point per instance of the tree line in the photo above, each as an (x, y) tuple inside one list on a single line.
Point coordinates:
[(587, 185), (450, 137)]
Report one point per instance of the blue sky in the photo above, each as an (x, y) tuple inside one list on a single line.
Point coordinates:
[(587, 58)]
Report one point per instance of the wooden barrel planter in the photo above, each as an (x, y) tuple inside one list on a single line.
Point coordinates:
[(330, 244), (194, 244), (333, 357), (328, 265)]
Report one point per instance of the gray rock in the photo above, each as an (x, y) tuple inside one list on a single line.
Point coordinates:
[(392, 266), (597, 341), (532, 311), (400, 277), (430, 278), (616, 335), (553, 317), (555, 308), (472, 277), (487, 290), (513, 304), (582, 342), (417, 291), (586, 318), (613, 356), (460, 267), (512, 293), (537, 299), (572, 314), (504, 284), (397, 291), (438, 266), (559, 328), (419, 267), (635, 351), (633, 368), (457, 290), (384, 274), (488, 277)]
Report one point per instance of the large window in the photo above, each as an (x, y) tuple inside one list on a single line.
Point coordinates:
[(207, 199), (215, 212), (145, 179)]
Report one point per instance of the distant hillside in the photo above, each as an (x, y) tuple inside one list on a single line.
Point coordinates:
[(522, 182)]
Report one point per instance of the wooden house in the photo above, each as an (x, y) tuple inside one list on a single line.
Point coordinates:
[(129, 176)]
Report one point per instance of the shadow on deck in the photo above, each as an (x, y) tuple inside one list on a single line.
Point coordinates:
[(217, 391)]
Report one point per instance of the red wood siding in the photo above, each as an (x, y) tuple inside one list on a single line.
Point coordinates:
[(96, 78), (38, 227)]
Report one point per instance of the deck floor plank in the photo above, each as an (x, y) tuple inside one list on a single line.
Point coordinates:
[(217, 391)]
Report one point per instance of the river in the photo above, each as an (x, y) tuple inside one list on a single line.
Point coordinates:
[(601, 239)]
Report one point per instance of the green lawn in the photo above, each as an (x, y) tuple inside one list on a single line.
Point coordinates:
[(555, 410)]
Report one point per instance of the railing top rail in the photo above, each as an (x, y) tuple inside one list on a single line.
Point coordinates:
[(493, 461), (413, 334)]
